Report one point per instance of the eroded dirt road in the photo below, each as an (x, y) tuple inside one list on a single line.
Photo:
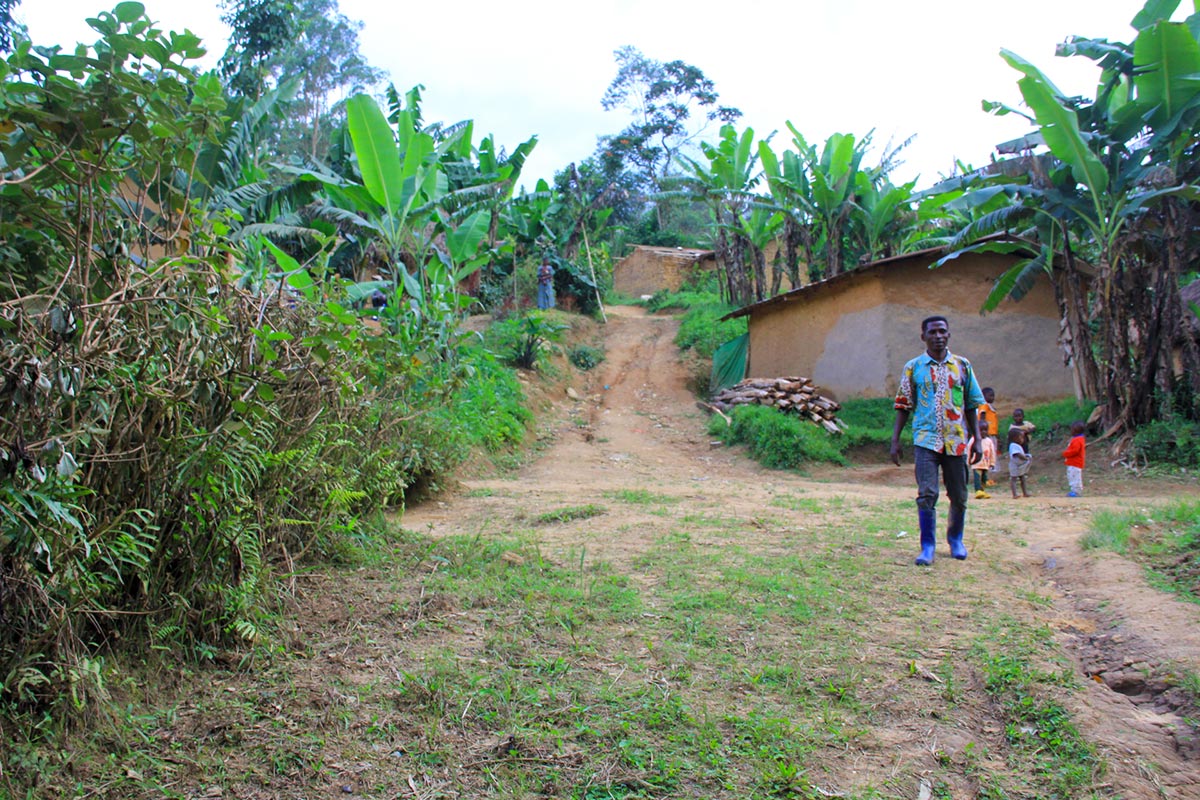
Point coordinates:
[(636, 426)]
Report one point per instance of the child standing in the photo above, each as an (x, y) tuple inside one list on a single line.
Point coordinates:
[(987, 413), (1074, 457), (987, 463), (1018, 459), (1025, 425)]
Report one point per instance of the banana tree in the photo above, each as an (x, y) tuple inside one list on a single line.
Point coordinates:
[(1122, 187), (791, 193), (759, 228), (725, 184), (832, 174), (883, 215)]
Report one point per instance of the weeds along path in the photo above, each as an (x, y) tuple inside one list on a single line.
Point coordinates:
[(634, 449)]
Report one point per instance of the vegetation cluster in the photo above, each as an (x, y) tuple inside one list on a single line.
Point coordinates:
[(231, 319), (216, 369)]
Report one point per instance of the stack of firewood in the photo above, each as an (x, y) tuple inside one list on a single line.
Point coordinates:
[(793, 395)]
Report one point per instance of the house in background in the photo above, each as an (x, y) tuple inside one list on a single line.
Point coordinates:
[(652, 269), (851, 334)]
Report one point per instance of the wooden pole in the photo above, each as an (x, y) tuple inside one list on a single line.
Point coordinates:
[(595, 283)]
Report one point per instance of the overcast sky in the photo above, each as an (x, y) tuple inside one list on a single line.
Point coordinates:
[(540, 68)]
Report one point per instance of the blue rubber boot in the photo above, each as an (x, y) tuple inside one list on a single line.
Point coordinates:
[(954, 532), (928, 519)]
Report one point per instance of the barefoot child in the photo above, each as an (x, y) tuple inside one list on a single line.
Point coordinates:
[(988, 462), (1019, 421), (1074, 457), (1018, 459)]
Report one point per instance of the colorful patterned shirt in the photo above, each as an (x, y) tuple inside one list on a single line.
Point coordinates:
[(937, 394)]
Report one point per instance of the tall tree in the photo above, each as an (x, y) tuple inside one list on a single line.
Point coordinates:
[(324, 57), (662, 97), (7, 24), (257, 30), (726, 183)]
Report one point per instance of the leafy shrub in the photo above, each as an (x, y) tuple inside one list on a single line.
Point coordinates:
[(779, 440), (585, 357), (488, 411), (520, 340), (1175, 443), (701, 331), (175, 429), (576, 281)]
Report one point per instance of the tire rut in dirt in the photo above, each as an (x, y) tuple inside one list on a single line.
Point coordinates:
[(1114, 656), (1122, 663)]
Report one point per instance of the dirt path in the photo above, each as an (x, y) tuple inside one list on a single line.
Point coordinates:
[(636, 425)]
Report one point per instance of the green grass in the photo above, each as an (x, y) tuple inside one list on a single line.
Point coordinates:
[(808, 505), (701, 330), (641, 497), (1164, 539), (682, 301), (1047, 745), (1053, 420), (570, 513), (496, 666)]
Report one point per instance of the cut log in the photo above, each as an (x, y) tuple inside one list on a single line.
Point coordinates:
[(790, 394)]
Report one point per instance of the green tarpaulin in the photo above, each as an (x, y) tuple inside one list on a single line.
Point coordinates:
[(729, 364)]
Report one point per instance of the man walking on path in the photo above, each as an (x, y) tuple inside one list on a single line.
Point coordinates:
[(940, 392)]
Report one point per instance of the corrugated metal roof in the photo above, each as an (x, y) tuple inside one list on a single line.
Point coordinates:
[(688, 252)]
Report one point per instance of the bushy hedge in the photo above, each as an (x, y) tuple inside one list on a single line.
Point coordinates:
[(183, 420), (1174, 443), (778, 440)]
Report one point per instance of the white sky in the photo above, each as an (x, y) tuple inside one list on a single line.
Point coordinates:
[(541, 66)]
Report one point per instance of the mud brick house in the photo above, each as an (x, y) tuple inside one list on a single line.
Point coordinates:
[(852, 333), (652, 269)]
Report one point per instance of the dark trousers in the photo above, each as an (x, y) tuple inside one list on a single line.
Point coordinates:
[(954, 475)]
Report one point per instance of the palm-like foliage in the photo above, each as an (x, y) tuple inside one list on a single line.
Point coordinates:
[(1121, 187), (725, 183)]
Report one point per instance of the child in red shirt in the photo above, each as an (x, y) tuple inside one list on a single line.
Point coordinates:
[(1074, 457)]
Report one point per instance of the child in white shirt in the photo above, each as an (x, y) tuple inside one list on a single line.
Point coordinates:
[(1018, 459)]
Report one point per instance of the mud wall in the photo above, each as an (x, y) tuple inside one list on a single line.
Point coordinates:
[(648, 270), (853, 335)]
